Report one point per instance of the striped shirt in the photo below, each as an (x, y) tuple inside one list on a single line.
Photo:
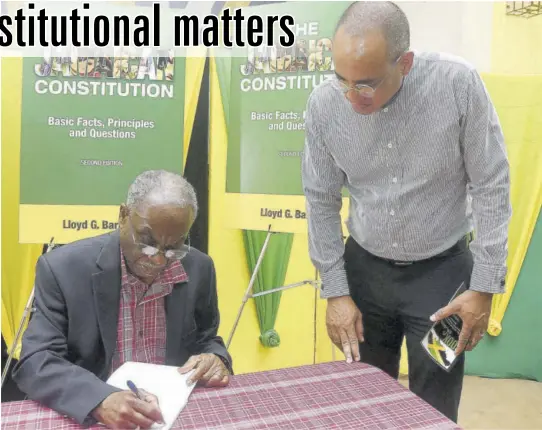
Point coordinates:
[(421, 173)]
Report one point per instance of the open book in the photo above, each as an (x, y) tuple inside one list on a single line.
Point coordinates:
[(165, 382)]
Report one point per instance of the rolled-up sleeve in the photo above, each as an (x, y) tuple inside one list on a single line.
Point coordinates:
[(488, 173), (322, 184)]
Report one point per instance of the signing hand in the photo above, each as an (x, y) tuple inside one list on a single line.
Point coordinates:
[(123, 410), (474, 309), (344, 326), (210, 371)]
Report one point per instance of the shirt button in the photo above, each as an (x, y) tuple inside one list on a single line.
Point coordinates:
[(394, 180), (394, 245), (392, 212), (390, 145), (385, 109), (140, 333)]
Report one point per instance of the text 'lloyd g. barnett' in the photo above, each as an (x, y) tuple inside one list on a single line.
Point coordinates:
[(282, 213), (68, 224)]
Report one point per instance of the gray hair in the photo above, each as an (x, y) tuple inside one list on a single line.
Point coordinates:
[(384, 16), (167, 186)]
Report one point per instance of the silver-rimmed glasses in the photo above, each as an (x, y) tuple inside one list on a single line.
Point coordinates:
[(359, 89), (170, 254), (363, 89), (152, 251)]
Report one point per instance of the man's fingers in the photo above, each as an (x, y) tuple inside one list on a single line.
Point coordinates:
[(444, 312), (189, 365), (218, 381), (141, 421), (136, 412), (332, 333), (464, 338), (345, 346), (470, 344), (354, 343), (122, 424), (334, 336), (347, 341), (214, 373), (202, 367), (153, 400), (475, 339), (359, 329), (150, 411), (148, 397)]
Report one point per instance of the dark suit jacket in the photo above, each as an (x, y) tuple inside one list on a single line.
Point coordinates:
[(68, 346)]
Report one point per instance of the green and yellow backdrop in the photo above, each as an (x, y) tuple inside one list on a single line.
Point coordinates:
[(288, 329)]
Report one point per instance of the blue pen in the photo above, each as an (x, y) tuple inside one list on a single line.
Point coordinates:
[(134, 389)]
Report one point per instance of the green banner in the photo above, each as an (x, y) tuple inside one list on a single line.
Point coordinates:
[(89, 126), (265, 93), (271, 87), (98, 122)]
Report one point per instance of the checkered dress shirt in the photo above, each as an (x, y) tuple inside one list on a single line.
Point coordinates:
[(141, 329)]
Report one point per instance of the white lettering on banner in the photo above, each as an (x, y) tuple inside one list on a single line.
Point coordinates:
[(98, 88), (280, 83), (307, 29)]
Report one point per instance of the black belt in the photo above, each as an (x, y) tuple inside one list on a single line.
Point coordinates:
[(460, 246)]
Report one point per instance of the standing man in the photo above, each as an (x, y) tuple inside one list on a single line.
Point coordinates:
[(417, 143)]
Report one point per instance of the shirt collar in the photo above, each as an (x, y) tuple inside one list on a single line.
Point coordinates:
[(390, 101), (399, 91)]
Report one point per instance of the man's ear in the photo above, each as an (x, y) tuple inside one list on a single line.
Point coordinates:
[(124, 212), (406, 62)]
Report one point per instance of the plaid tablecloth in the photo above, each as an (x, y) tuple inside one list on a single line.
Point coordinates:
[(332, 395)]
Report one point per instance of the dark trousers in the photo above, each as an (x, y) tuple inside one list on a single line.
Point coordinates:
[(397, 301)]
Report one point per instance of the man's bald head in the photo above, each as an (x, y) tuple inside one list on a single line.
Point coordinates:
[(386, 18), (161, 187), (370, 54)]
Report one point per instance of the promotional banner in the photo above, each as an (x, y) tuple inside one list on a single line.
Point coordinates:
[(268, 91), (89, 126)]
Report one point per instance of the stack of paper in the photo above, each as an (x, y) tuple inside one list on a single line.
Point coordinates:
[(165, 382)]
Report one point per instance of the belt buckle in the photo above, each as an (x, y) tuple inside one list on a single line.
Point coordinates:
[(402, 263)]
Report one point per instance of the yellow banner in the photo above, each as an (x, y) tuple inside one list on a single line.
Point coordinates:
[(285, 214), (39, 223)]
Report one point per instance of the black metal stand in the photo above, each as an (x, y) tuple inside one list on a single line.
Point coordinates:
[(248, 293), (26, 314)]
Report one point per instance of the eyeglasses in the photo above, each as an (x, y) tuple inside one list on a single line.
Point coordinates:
[(359, 89), (152, 251), (170, 254), (362, 89)]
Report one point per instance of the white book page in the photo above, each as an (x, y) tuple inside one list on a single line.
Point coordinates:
[(165, 382)]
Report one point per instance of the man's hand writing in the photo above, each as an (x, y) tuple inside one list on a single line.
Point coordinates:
[(123, 410), (344, 326), (210, 371), (474, 309)]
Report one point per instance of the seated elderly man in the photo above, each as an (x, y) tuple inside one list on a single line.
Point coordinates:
[(140, 294)]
